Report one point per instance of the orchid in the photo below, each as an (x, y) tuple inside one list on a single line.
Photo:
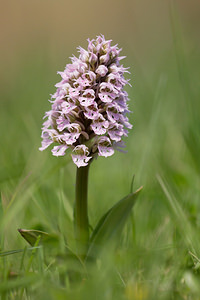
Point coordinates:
[(89, 115), (89, 102)]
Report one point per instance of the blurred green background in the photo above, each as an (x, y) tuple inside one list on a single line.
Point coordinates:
[(161, 42)]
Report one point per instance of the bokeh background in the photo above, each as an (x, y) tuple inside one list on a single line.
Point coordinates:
[(162, 45)]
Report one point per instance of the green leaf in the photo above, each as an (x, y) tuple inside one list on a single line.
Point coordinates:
[(20, 282), (6, 253), (111, 224), (31, 237)]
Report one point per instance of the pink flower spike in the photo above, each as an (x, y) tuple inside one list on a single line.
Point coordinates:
[(90, 105)]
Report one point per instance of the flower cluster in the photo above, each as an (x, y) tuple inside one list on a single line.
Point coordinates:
[(89, 108)]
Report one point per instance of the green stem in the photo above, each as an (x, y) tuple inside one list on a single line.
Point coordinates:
[(81, 225)]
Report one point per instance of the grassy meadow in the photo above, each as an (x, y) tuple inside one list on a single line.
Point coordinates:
[(158, 254)]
